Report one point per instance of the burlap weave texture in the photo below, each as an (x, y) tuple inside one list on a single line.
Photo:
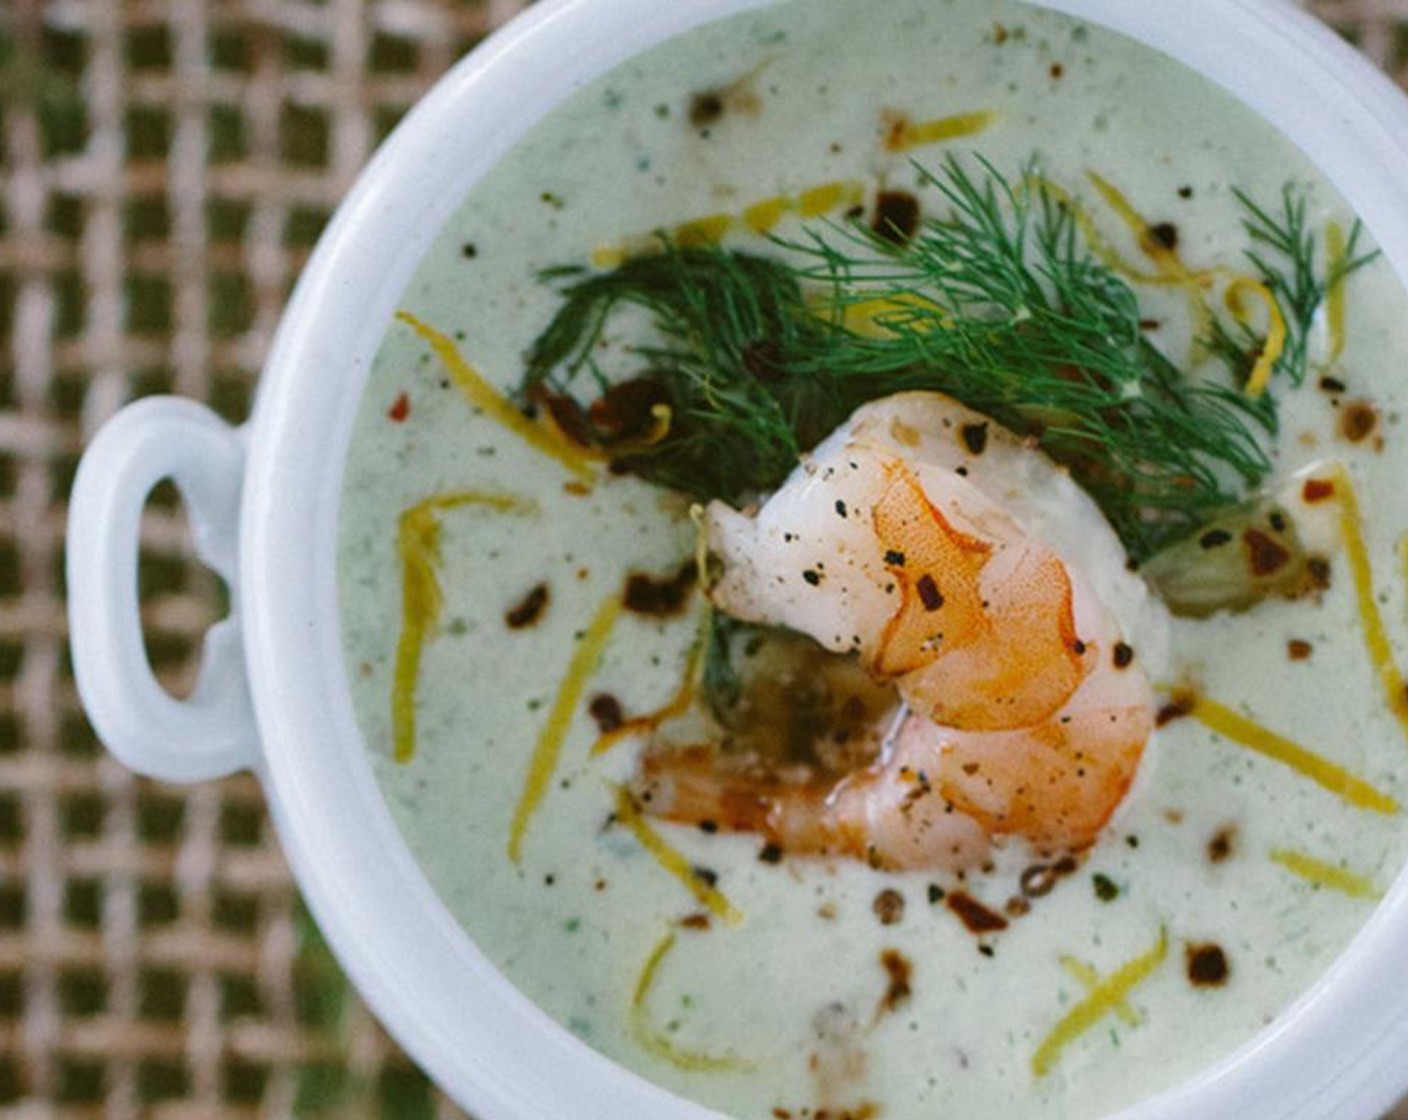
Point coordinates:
[(165, 167)]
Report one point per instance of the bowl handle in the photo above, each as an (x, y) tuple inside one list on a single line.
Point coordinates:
[(212, 732)]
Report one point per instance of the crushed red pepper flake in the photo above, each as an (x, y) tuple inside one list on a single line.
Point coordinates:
[(400, 409), (1298, 649), (973, 914), (529, 610), (1317, 490)]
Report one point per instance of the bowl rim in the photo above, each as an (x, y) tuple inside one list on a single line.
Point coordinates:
[(483, 1041)]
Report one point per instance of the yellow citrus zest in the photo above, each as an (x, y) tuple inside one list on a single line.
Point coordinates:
[(1275, 344), (703, 233), (676, 706), (543, 764), (1247, 733), (822, 199), (483, 396), (1107, 995), (760, 218), (628, 813), (659, 1043), (1088, 977), (1356, 552), (910, 135), (1335, 304), (1172, 271), (422, 598), (1324, 874)]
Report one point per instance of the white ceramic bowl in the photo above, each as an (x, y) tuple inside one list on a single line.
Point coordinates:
[(264, 502)]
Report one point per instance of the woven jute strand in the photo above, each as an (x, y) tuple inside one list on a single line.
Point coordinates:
[(166, 166)]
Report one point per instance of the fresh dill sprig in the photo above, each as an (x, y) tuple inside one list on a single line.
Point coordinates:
[(1283, 254), (999, 303), (722, 320)]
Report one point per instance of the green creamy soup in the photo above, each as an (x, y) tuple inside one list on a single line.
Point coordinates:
[(496, 623)]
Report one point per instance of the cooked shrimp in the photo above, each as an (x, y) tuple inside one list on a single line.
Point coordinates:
[(1024, 711)]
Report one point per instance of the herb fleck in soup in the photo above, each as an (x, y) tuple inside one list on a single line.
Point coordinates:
[(870, 569)]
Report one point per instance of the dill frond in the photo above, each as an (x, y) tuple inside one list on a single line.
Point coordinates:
[(999, 302), (1283, 253)]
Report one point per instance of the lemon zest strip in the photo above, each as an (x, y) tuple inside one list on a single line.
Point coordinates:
[(1375, 633), (543, 764), (703, 233), (1103, 998), (671, 860), (1087, 975), (886, 316), (1335, 303), (814, 202), (494, 404), (657, 1042), (422, 598), (1099, 244), (1247, 733), (912, 135), (677, 705), (762, 216), (759, 218), (1275, 344), (1324, 874)]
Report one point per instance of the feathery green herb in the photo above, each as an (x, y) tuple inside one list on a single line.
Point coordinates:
[(998, 303), (1283, 256)]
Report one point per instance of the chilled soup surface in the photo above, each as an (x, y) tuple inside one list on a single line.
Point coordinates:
[(765, 983)]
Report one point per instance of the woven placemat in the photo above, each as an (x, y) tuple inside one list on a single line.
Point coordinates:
[(165, 166)]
